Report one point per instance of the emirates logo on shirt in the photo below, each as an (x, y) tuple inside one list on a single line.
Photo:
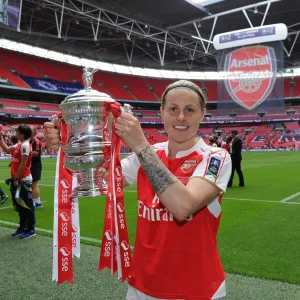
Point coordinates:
[(155, 201), (189, 165), (156, 213)]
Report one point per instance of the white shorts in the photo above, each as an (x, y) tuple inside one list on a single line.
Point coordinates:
[(134, 294)]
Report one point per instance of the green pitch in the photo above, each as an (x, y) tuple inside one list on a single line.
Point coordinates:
[(259, 231)]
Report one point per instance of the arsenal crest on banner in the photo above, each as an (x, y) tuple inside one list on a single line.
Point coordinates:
[(254, 75)]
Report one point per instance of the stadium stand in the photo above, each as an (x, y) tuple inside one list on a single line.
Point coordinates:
[(15, 66), (19, 63), (28, 107), (138, 87), (47, 109), (119, 86), (12, 78)]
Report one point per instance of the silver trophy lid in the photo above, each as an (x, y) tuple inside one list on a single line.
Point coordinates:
[(87, 94)]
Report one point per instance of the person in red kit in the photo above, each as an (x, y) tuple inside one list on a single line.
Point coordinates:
[(21, 181), (180, 184)]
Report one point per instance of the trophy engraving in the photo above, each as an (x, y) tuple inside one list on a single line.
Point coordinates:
[(88, 122)]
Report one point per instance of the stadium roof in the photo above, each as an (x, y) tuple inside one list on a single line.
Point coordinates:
[(153, 34)]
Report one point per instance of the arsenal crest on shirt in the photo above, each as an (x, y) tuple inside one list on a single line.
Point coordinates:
[(188, 165), (255, 70)]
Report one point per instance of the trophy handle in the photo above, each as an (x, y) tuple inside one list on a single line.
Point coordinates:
[(127, 108)]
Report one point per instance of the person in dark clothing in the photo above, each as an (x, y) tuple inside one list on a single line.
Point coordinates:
[(236, 159), (36, 167)]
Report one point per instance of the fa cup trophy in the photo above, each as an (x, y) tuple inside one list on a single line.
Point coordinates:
[(90, 149), (88, 121)]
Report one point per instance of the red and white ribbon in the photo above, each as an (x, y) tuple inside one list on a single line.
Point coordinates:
[(115, 250), (62, 235), (75, 221)]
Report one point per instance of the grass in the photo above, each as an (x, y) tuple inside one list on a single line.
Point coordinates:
[(256, 238)]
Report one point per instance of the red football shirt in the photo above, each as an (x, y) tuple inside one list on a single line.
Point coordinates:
[(23, 148), (179, 260)]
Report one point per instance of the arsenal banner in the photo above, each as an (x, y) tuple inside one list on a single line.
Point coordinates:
[(251, 81)]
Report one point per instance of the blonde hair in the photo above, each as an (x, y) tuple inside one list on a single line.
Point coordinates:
[(184, 84)]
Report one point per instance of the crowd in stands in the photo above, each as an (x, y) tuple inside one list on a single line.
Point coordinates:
[(268, 136), (19, 106), (10, 130)]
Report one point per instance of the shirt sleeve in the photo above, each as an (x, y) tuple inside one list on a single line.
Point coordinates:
[(130, 166), (215, 168), (25, 149)]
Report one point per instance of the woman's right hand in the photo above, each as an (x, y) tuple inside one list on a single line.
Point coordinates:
[(52, 134)]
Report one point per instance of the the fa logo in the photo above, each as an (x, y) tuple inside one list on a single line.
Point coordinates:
[(254, 75)]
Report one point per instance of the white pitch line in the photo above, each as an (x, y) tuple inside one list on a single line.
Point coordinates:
[(246, 199), (290, 197), (264, 201), (49, 231), (99, 241), (84, 238), (6, 207)]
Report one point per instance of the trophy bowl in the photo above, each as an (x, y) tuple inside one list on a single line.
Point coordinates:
[(89, 125)]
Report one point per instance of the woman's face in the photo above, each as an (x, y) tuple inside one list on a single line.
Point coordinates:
[(182, 114)]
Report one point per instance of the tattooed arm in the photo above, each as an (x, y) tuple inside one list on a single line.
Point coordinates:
[(182, 201), (160, 177)]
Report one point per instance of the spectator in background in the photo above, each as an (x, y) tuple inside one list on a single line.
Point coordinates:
[(36, 167), (21, 181), (212, 141), (236, 159), (218, 141), (227, 144)]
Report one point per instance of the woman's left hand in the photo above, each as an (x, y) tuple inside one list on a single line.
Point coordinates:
[(129, 129)]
